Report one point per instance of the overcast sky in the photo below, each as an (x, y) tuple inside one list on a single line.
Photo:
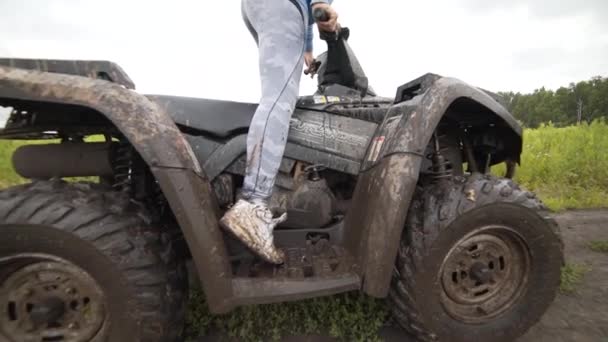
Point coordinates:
[(201, 48)]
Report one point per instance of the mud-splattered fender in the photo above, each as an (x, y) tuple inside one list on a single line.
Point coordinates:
[(391, 168), (160, 143), (410, 123)]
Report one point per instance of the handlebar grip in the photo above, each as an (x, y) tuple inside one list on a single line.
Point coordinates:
[(320, 15)]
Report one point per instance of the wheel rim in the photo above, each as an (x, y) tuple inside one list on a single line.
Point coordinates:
[(484, 274), (50, 299)]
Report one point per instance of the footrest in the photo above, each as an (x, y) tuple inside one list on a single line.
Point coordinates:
[(314, 260), (318, 269)]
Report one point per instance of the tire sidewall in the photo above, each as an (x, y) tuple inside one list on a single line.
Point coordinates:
[(121, 323), (544, 276)]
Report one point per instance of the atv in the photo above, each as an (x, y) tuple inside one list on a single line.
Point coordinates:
[(389, 196)]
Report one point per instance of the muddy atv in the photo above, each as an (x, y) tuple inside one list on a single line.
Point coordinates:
[(389, 196)]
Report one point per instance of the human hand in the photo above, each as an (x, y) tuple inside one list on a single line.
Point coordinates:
[(331, 25), (312, 65)]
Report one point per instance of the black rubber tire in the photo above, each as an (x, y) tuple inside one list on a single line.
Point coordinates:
[(112, 239), (441, 215)]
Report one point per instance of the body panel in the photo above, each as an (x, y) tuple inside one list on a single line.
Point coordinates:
[(252, 291), (335, 141), (157, 139), (410, 123), (391, 168), (105, 70)]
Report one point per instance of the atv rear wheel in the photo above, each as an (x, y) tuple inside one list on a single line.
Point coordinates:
[(80, 263), (479, 260)]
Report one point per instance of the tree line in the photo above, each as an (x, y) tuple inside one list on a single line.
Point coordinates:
[(579, 102)]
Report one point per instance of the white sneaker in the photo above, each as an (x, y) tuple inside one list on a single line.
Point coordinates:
[(253, 224)]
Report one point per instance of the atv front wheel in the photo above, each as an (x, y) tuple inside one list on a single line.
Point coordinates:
[(79, 263), (479, 260)]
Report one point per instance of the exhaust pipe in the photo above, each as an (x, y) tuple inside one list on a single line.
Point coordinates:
[(63, 160)]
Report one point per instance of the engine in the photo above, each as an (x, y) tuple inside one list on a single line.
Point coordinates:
[(310, 204), (304, 193)]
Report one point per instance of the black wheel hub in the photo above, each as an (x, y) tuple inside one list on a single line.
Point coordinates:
[(481, 273), (50, 300), (47, 311), (484, 274)]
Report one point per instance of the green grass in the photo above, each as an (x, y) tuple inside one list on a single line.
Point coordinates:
[(567, 167), (599, 246), (7, 174), (572, 276), (347, 317)]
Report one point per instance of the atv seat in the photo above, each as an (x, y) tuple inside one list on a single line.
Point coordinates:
[(225, 118), (220, 118)]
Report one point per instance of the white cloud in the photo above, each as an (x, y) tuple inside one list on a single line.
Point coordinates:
[(202, 48)]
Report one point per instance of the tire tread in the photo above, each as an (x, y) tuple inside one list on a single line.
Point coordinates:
[(425, 223), (117, 228)]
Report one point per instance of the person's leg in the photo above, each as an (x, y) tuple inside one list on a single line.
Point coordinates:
[(254, 34), (281, 33), (279, 29)]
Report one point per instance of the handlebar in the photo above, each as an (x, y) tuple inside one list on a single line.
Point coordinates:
[(320, 15)]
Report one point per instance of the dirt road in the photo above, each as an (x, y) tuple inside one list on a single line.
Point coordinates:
[(582, 316), (578, 317)]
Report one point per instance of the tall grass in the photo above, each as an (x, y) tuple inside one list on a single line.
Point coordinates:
[(567, 167)]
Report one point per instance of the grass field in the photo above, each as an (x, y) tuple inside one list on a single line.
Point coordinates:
[(567, 167)]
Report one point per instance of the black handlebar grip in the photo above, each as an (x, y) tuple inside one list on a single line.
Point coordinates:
[(320, 15)]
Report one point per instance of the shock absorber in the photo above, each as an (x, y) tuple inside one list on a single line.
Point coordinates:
[(123, 167), (441, 167)]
